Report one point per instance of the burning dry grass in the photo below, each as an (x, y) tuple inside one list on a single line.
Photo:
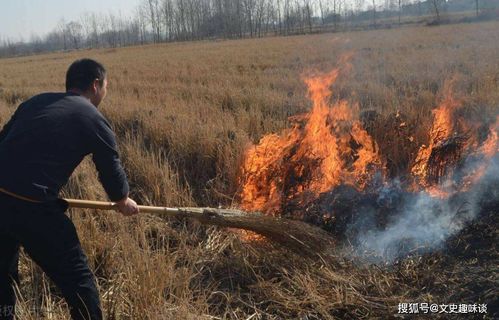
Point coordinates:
[(325, 148), (185, 114)]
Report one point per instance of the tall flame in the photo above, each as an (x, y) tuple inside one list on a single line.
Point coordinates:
[(451, 138), (324, 148), (490, 147), (484, 153), (442, 129)]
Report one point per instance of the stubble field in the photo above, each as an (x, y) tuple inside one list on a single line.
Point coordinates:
[(184, 115)]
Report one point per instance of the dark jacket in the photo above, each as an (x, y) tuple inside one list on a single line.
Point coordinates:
[(47, 138)]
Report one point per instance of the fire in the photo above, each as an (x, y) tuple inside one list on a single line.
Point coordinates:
[(452, 139), (484, 154), (326, 163), (323, 149), (324, 169), (429, 165), (490, 147)]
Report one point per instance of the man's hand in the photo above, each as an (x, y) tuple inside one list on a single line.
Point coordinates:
[(127, 206)]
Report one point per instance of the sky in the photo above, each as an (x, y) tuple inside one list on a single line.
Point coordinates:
[(19, 19)]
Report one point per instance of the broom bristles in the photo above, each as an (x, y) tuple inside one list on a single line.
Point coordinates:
[(296, 235)]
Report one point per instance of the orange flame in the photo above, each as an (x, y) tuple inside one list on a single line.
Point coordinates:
[(323, 149), (487, 150), (442, 129), (490, 147), (446, 125)]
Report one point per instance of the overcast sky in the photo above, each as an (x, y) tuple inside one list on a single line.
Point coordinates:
[(21, 18)]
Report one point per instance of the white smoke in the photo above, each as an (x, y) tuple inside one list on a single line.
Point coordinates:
[(425, 222)]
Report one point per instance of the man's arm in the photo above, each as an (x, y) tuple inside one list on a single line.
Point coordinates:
[(109, 167)]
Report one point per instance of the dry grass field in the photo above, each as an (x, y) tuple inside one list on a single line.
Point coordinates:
[(185, 114)]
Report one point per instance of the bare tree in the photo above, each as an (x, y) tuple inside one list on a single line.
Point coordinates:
[(399, 9), (153, 6), (249, 7), (173, 20), (340, 8), (307, 9), (141, 22), (180, 20), (335, 14), (95, 29), (75, 33), (324, 10), (287, 15), (113, 30), (61, 26), (167, 12), (436, 9), (86, 23), (279, 18)]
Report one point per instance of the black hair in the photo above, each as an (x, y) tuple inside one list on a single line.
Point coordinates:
[(82, 73)]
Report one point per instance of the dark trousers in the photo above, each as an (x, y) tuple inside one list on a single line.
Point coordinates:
[(50, 239)]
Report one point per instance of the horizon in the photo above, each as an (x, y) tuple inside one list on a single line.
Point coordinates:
[(27, 21), (22, 20)]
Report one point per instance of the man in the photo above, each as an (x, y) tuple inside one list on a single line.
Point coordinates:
[(41, 145)]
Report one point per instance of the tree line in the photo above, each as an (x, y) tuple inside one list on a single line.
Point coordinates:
[(155, 21)]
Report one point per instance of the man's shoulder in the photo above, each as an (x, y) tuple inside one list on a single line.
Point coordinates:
[(73, 104), (65, 104), (84, 110), (51, 98), (76, 99), (45, 96)]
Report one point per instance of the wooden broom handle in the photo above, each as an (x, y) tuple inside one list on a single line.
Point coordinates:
[(102, 205), (189, 212)]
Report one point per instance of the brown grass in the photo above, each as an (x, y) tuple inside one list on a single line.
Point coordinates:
[(184, 114)]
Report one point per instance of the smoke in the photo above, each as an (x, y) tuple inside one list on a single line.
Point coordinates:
[(423, 222)]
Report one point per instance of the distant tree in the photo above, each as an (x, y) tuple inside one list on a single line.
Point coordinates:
[(335, 14), (287, 15), (61, 26), (173, 20), (36, 43), (259, 16), (141, 17), (249, 7), (341, 6), (86, 23), (113, 33), (358, 5), (307, 9), (153, 6), (167, 14), (324, 10), (435, 4), (399, 9), (279, 16)]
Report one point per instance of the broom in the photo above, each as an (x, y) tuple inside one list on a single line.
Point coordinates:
[(296, 235)]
